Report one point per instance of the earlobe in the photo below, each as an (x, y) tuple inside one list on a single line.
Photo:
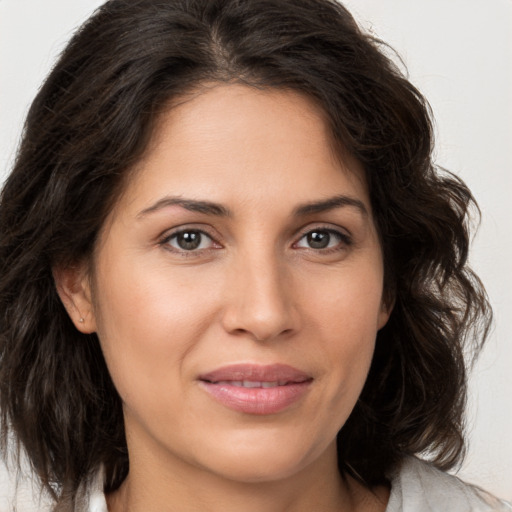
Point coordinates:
[(385, 312), (74, 290)]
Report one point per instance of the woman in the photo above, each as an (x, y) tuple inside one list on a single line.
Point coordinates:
[(231, 277)]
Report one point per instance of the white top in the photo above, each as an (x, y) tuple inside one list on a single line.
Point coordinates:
[(420, 487), (415, 487)]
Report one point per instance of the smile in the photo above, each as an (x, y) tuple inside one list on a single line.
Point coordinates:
[(252, 384), (256, 389)]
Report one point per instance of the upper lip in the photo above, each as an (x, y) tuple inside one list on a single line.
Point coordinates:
[(256, 373)]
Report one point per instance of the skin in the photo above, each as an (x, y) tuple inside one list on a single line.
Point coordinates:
[(254, 291)]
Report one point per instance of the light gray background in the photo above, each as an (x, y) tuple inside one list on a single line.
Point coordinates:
[(459, 54)]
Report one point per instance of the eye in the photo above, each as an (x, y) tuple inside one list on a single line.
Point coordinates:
[(189, 240), (319, 239)]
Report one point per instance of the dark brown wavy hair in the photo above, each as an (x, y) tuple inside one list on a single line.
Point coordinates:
[(89, 125)]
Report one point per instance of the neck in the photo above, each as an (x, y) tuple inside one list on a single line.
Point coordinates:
[(146, 490), (161, 481), (151, 487)]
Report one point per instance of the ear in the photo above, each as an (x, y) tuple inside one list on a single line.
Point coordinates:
[(74, 290), (386, 307)]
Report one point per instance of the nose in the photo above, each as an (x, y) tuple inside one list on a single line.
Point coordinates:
[(260, 302)]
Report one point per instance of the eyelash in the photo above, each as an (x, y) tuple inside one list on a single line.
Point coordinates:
[(344, 239), (165, 242)]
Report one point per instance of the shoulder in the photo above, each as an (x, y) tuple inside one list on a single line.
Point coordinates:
[(417, 486), (20, 490), (90, 496)]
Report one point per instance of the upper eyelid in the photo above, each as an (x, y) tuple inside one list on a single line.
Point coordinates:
[(344, 236), (323, 227), (165, 239), (169, 233)]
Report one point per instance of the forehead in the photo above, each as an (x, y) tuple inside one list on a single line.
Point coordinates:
[(259, 142)]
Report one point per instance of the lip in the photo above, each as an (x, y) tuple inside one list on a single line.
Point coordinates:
[(225, 386)]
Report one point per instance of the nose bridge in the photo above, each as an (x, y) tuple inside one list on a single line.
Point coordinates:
[(261, 300)]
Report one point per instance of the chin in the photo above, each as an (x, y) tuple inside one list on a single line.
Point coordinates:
[(252, 472), (256, 462)]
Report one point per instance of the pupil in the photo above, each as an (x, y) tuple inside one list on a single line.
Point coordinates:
[(318, 239), (189, 240)]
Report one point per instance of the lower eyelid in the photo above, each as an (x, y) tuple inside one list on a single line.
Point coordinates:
[(166, 239), (342, 237)]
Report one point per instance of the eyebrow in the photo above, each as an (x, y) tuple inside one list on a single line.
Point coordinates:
[(211, 208), (206, 207), (330, 204)]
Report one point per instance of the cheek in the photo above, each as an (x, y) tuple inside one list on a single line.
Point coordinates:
[(148, 321), (344, 315), (347, 304)]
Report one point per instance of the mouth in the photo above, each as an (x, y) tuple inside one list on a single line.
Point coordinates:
[(256, 389), (252, 384)]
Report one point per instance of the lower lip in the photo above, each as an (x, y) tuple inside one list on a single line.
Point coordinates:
[(257, 400)]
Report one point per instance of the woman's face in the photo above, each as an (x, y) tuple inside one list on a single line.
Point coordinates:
[(237, 290)]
